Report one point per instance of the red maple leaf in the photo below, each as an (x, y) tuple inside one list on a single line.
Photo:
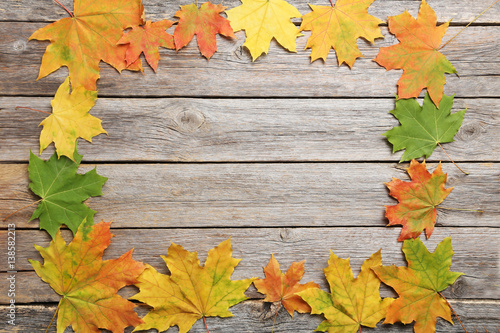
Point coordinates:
[(147, 40), (204, 22)]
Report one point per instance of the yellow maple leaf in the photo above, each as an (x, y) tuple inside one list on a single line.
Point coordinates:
[(353, 302), (191, 292), (70, 119), (264, 20), (339, 27)]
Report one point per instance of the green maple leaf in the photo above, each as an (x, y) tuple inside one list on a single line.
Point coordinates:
[(62, 191), (419, 285), (423, 127)]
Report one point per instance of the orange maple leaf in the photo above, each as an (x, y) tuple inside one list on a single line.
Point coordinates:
[(417, 54), (90, 35), (87, 283), (418, 199), (282, 287), (205, 23), (339, 27), (147, 39)]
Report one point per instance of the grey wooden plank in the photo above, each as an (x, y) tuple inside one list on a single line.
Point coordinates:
[(478, 260), (456, 10), (230, 72), (238, 195), (235, 130), (257, 316)]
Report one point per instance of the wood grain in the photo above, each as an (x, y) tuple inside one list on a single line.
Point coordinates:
[(235, 130), (459, 11), (257, 316), (230, 72), (252, 195), (479, 261)]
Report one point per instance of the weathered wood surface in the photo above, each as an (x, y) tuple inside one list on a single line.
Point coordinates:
[(478, 260), (256, 316), (256, 118), (260, 195), (228, 130), (230, 72), (458, 11)]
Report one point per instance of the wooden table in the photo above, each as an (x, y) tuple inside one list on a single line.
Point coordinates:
[(281, 155)]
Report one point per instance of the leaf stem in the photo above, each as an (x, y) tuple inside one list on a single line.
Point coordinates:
[(31, 204), (23, 107), (54, 317), (461, 209), (276, 316), (66, 9), (453, 311), (331, 3), (206, 326), (468, 24), (450, 157)]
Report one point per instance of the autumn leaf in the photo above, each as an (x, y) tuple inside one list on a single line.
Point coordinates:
[(70, 119), (205, 23), (80, 42), (416, 210), (419, 285), (423, 128), (339, 27), (147, 39), (264, 20), (417, 54), (354, 302), (191, 292), (279, 287), (87, 284), (62, 192)]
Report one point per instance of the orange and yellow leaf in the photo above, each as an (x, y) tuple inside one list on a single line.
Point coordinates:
[(91, 35), (339, 27), (87, 284), (416, 210), (417, 54), (279, 287)]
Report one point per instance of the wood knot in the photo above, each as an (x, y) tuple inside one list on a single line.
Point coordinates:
[(460, 287), (189, 121), (285, 234), (19, 45), (470, 132)]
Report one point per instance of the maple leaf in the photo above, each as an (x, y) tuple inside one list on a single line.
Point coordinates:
[(423, 128), (70, 119), (87, 284), (339, 27), (147, 39), (205, 23), (354, 302), (62, 192), (417, 53), (80, 42), (282, 287), (416, 210), (191, 292), (264, 20), (419, 285)]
